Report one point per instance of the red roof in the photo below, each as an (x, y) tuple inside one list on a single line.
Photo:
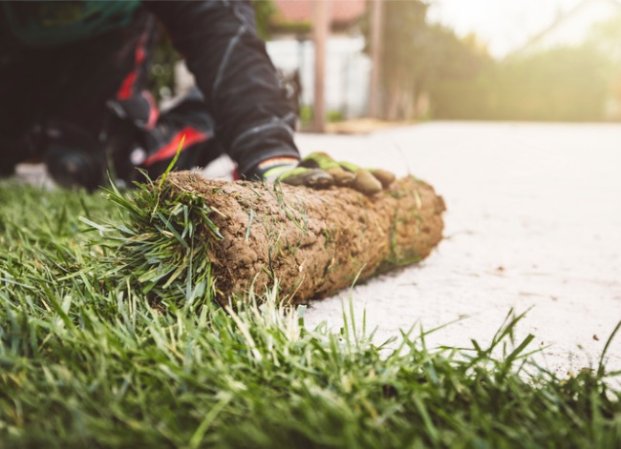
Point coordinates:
[(342, 11)]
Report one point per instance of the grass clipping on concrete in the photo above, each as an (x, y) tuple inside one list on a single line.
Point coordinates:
[(110, 336)]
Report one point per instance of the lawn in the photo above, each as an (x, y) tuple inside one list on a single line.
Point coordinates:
[(110, 337)]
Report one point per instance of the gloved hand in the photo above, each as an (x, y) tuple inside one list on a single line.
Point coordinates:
[(319, 170)]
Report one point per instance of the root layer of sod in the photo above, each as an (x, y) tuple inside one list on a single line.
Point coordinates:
[(314, 242), (110, 337)]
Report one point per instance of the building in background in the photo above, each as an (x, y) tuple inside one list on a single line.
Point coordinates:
[(347, 66)]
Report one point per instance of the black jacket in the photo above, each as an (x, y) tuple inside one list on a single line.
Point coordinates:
[(218, 39), (219, 42)]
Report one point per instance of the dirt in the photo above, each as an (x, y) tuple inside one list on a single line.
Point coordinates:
[(313, 242)]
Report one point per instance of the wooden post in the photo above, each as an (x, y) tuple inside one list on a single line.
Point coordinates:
[(377, 19), (321, 30)]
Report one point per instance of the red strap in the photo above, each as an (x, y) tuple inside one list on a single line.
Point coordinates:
[(168, 151), (127, 86)]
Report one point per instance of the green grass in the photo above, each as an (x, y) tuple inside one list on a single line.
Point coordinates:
[(110, 337)]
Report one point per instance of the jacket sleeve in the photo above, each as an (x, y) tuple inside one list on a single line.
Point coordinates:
[(219, 42)]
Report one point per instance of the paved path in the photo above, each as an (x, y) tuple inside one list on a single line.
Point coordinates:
[(533, 220)]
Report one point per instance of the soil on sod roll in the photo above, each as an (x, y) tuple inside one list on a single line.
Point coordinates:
[(313, 242)]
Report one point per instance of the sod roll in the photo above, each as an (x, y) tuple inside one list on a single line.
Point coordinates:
[(312, 242)]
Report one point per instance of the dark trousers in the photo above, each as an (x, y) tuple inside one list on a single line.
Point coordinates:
[(91, 97)]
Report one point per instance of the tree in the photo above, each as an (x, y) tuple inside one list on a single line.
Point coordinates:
[(416, 55)]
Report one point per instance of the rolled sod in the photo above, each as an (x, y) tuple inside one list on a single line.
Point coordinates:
[(313, 243)]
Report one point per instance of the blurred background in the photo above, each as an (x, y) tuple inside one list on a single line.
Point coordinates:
[(410, 60)]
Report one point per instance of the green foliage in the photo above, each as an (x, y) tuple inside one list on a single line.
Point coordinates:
[(335, 116), (264, 11), (558, 84), (109, 337), (416, 56), (461, 81), (605, 38), (162, 68), (306, 115)]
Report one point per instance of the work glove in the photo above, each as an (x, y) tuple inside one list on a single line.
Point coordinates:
[(319, 170)]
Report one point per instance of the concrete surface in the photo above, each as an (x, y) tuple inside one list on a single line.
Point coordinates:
[(533, 221)]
